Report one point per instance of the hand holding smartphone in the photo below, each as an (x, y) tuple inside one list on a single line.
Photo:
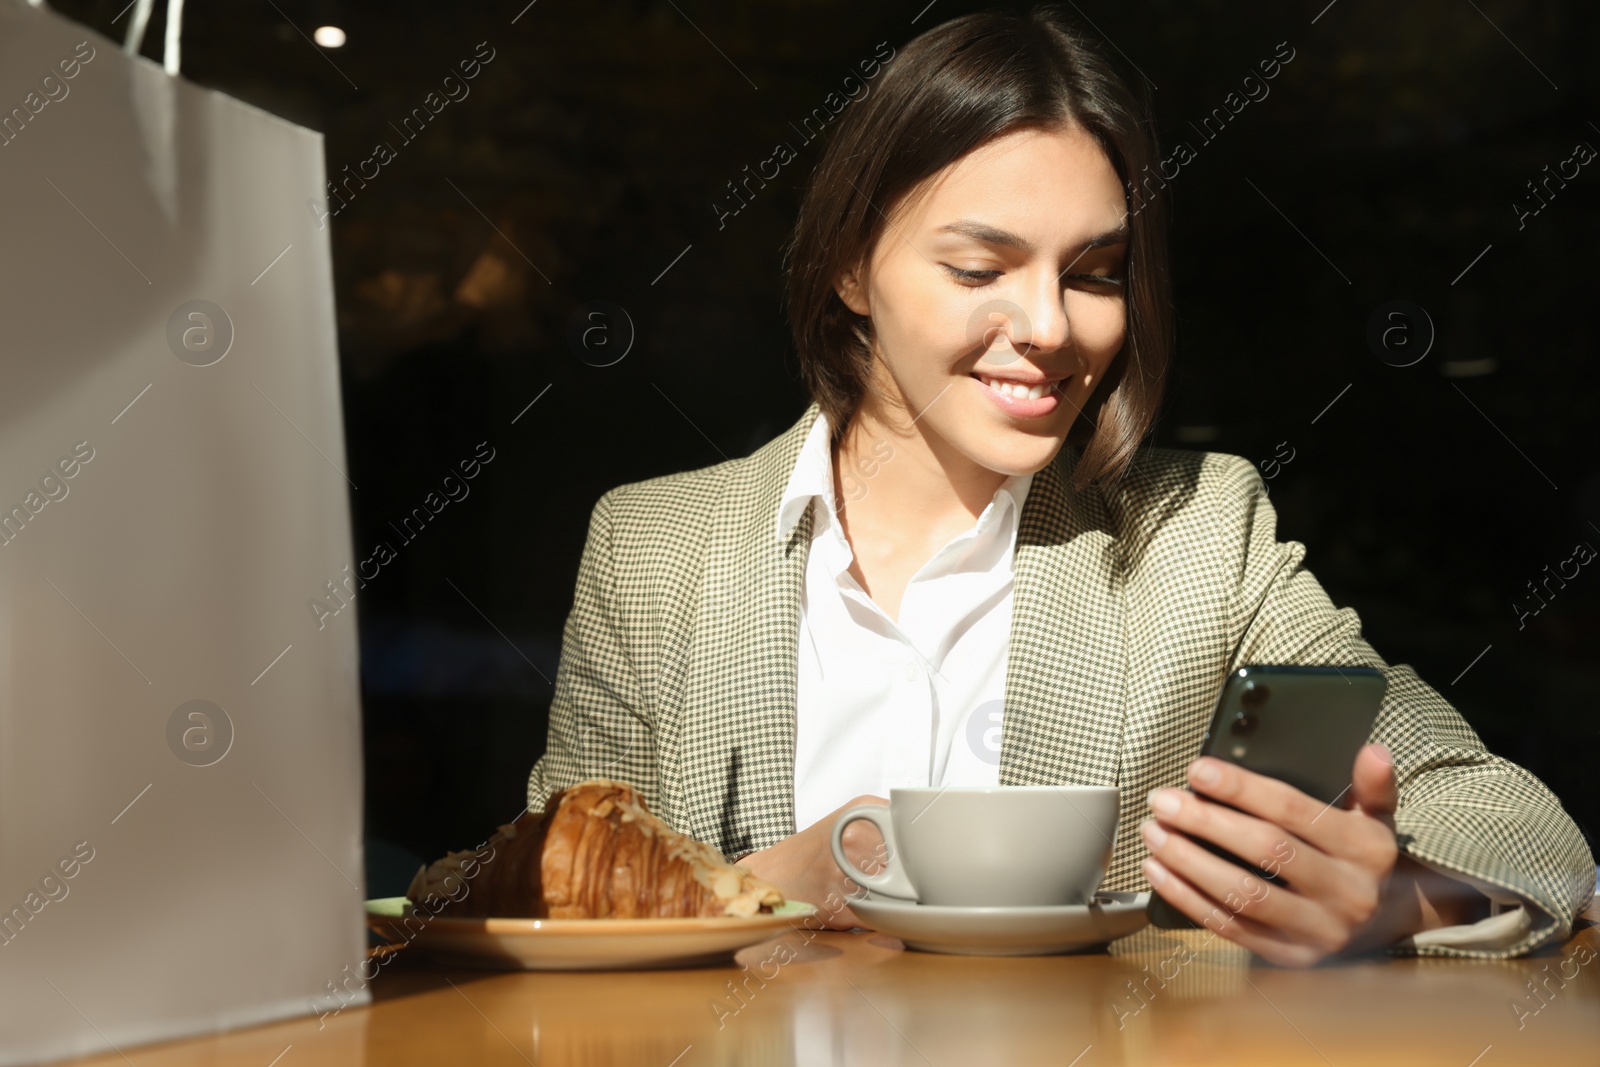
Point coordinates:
[(1303, 725)]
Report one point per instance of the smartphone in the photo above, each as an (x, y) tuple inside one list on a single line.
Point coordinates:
[(1303, 725)]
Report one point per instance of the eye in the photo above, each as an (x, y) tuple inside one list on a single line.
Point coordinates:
[(972, 279), (1106, 282), (1099, 284)]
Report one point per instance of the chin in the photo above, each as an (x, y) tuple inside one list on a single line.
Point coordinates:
[(1029, 456)]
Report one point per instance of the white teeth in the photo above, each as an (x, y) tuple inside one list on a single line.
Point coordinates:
[(1015, 389)]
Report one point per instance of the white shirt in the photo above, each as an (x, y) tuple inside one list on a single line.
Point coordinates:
[(880, 704)]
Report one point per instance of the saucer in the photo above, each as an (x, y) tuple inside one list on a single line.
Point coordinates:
[(1040, 931)]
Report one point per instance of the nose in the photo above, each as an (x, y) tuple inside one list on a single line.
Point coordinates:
[(1043, 325)]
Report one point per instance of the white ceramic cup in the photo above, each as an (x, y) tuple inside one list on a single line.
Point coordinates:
[(989, 846)]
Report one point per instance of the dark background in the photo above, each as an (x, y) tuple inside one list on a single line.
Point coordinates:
[(585, 163)]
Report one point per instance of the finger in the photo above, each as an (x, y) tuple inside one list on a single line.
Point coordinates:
[(1275, 907), (865, 847), (1372, 781), (1265, 942), (1332, 882), (1259, 841), (1311, 820)]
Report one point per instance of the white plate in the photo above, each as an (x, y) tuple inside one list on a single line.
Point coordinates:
[(1006, 931), (579, 944)]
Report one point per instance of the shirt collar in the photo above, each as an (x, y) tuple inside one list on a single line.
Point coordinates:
[(813, 477)]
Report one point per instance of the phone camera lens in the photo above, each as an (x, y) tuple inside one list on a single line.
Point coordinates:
[(1252, 696)]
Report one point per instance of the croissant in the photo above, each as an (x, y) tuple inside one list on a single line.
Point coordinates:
[(595, 852)]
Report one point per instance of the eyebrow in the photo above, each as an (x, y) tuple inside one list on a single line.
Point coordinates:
[(993, 235)]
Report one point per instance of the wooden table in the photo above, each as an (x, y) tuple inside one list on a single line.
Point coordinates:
[(861, 998)]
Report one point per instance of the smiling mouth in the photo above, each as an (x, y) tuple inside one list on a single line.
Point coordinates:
[(1017, 390)]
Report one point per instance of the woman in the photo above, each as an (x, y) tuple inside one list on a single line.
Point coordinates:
[(961, 567)]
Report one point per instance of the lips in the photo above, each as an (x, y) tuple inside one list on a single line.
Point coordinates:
[(1021, 400)]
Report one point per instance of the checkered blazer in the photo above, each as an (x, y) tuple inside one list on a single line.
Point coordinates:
[(1132, 603)]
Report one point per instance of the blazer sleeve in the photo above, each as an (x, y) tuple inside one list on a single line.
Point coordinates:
[(599, 726), (1462, 810)]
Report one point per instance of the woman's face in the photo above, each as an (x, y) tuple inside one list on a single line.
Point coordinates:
[(1006, 275)]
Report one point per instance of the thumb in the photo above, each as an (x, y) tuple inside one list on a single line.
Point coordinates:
[(1372, 783)]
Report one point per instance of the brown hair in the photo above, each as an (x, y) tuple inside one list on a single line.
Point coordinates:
[(951, 90)]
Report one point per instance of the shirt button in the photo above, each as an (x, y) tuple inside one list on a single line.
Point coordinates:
[(911, 672)]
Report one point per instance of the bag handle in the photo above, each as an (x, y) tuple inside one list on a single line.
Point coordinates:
[(136, 27)]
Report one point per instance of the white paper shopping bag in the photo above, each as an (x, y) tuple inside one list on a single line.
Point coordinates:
[(180, 768)]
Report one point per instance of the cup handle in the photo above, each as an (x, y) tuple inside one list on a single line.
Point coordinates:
[(892, 882)]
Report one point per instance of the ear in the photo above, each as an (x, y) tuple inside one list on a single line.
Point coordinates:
[(852, 292)]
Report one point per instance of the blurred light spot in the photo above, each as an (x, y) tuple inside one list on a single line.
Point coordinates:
[(328, 36), (1467, 368)]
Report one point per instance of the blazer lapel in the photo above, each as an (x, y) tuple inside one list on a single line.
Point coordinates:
[(1066, 670), (732, 744)]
